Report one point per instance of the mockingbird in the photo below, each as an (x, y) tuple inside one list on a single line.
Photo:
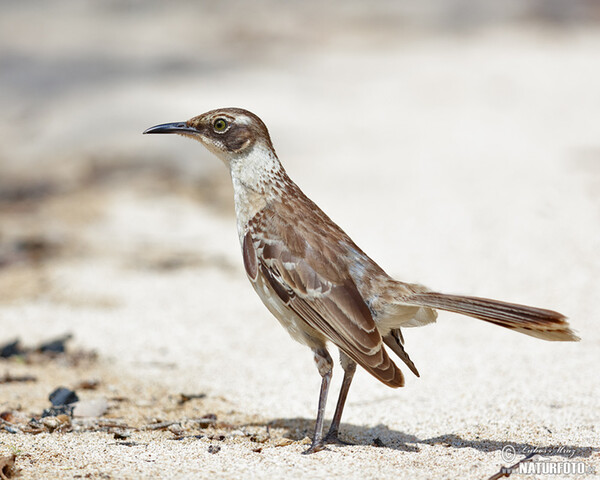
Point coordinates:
[(317, 282)]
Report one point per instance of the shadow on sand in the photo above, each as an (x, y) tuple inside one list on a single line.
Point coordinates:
[(382, 436)]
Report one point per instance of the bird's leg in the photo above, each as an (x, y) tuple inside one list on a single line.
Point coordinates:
[(325, 366), (349, 367)]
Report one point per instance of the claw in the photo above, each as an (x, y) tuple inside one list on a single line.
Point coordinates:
[(315, 447)]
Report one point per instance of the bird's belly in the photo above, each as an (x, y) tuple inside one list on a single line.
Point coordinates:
[(298, 329)]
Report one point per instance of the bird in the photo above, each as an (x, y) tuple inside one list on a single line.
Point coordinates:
[(317, 282)]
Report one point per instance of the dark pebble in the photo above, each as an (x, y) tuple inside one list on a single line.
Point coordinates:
[(60, 410), (63, 396), (10, 349)]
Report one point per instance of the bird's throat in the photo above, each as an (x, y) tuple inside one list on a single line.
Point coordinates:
[(255, 177)]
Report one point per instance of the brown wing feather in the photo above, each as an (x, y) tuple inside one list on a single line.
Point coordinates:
[(395, 341), (335, 309)]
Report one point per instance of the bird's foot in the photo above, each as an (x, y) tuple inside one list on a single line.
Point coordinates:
[(333, 438), (316, 446)]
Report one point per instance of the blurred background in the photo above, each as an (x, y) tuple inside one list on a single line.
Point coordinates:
[(79, 80), (421, 103), (471, 123), (457, 142), (463, 138)]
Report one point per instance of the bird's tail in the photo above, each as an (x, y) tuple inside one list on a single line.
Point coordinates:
[(537, 322)]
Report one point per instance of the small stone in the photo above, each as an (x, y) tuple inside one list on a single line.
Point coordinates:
[(121, 434), (62, 396), (53, 423), (11, 429), (284, 442), (56, 345), (186, 397), (207, 420), (89, 384), (10, 349), (7, 416), (63, 419), (55, 411), (7, 464), (259, 438), (214, 448), (176, 428)]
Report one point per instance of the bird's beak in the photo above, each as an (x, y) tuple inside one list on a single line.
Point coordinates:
[(178, 127)]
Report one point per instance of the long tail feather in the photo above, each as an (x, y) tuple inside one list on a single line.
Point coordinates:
[(537, 322)]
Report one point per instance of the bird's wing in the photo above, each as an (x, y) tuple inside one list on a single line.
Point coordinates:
[(395, 341), (334, 308)]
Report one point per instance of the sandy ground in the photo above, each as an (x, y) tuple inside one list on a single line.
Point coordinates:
[(469, 163)]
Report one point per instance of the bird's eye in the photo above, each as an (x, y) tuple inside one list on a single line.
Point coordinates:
[(220, 125)]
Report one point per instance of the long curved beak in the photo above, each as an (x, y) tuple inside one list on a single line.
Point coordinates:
[(177, 127)]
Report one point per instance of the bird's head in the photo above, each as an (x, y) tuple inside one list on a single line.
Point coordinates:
[(229, 133)]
